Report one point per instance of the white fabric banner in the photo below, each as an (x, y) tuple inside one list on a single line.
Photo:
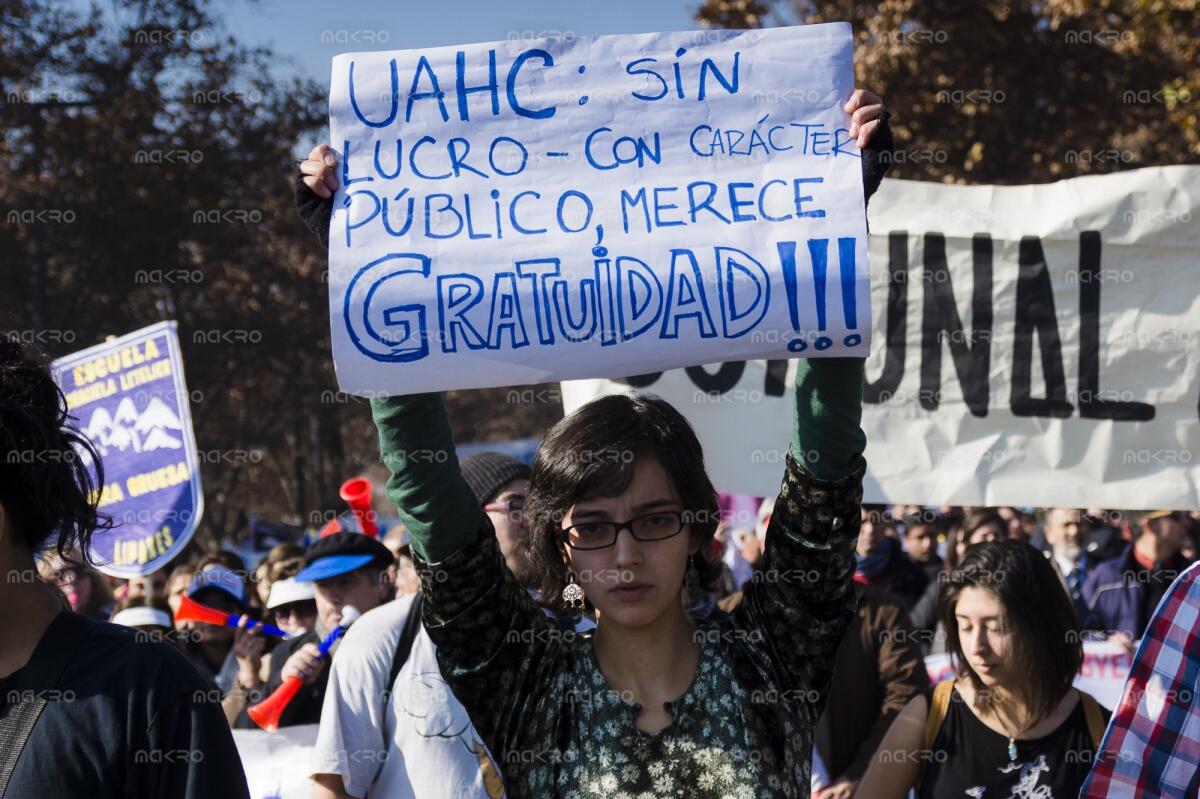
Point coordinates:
[(522, 212), (1103, 673), (1034, 345)]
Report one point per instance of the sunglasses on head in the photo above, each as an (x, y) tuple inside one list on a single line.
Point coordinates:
[(512, 506), (297, 609)]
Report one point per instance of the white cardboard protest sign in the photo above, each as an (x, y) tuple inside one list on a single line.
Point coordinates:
[(278, 764), (1034, 345), (527, 211)]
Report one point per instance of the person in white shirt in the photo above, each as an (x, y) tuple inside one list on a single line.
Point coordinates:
[(409, 737), (402, 741)]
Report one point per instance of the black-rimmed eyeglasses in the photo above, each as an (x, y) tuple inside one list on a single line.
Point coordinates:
[(599, 535)]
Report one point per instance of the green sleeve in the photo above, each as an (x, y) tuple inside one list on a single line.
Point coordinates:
[(435, 503), (827, 439)]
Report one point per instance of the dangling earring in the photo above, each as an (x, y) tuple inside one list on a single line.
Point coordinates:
[(572, 594)]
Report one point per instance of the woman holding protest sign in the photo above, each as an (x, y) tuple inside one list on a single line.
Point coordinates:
[(621, 516), (1010, 723)]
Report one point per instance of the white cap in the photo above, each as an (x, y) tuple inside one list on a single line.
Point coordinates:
[(142, 616), (285, 591)]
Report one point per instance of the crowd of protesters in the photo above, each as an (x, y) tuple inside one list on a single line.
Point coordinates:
[(549, 630), (1115, 566), (1010, 593)]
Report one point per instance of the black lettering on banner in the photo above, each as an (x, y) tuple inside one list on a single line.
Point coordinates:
[(940, 316), (639, 381), (725, 378), (1035, 313), (897, 313), (775, 380), (1090, 404)]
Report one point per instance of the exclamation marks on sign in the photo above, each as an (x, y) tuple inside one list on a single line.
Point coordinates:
[(818, 253), (849, 296), (787, 260)]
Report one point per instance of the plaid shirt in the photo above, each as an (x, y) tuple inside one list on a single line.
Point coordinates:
[(1152, 747)]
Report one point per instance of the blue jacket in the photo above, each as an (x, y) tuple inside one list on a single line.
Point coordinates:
[(1114, 596)]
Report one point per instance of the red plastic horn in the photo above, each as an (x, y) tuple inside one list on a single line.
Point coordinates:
[(267, 712), (357, 492), (191, 610)]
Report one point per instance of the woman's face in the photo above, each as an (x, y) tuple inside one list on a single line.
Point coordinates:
[(921, 542), (632, 583), (71, 578), (987, 643), (985, 534)]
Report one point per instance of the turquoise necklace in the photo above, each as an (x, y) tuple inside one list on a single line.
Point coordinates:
[(1012, 740)]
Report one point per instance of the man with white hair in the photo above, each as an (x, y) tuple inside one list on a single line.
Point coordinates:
[(1065, 530)]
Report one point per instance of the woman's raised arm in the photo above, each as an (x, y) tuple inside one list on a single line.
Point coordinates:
[(491, 638), (435, 503), (799, 599), (437, 506)]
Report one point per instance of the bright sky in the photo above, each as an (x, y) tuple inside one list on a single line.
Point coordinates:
[(296, 28)]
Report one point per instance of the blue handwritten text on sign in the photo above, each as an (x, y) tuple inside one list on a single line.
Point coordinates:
[(522, 212)]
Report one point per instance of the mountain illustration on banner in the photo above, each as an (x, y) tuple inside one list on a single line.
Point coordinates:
[(127, 428)]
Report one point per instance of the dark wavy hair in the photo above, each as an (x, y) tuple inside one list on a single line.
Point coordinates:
[(46, 487), (1048, 647), (593, 453), (977, 519)]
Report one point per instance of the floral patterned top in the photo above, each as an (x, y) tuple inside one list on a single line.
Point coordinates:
[(742, 729)]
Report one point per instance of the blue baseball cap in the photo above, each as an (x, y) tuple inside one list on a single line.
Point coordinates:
[(221, 579), (342, 553)]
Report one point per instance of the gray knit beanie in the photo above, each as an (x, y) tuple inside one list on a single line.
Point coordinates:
[(488, 472)]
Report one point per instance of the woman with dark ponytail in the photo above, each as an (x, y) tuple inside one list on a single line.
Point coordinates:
[(132, 713)]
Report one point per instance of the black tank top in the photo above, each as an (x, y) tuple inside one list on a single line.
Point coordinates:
[(969, 760)]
